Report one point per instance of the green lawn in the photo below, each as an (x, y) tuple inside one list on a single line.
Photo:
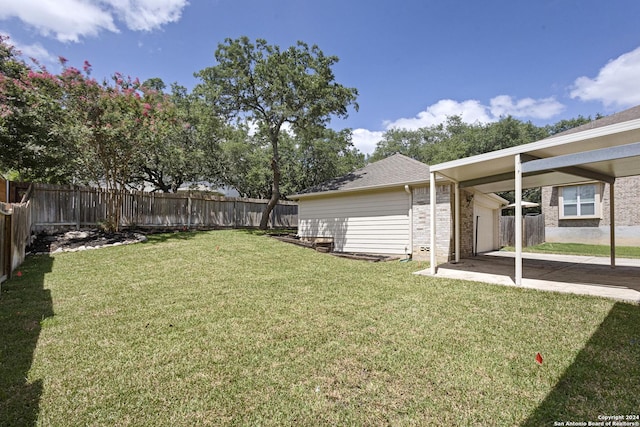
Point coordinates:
[(581, 249), (230, 327)]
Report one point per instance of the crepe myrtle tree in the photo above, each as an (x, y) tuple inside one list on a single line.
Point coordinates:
[(273, 87), (113, 122), (35, 141)]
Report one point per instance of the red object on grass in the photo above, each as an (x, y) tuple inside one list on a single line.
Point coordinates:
[(19, 274), (538, 358)]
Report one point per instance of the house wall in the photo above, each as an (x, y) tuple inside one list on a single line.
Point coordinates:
[(466, 223), (486, 210), (378, 221), (596, 231), (445, 244), (367, 222)]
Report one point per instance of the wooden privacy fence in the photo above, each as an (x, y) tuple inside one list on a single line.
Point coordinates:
[(15, 231), (532, 230), (56, 207)]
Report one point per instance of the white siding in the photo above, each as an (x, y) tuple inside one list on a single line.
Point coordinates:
[(486, 223), (367, 222)]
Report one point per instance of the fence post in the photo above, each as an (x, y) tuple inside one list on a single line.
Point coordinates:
[(235, 214), (8, 246), (78, 206), (189, 211)]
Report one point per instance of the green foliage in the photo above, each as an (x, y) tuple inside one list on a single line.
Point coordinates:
[(317, 155), (34, 142), (271, 87), (174, 151), (307, 159), (564, 125), (456, 139), (244, 163)]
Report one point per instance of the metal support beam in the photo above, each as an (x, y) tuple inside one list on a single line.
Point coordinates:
[(612, 225), (432, 219), (456, 213), (518, 203), (584, 158), (507, 176)]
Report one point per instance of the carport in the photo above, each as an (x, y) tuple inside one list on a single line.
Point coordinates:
[(602, 150)]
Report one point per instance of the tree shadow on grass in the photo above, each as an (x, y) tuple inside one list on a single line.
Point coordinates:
[(24, 304), (603, 379), (255, 231), (170, 236)]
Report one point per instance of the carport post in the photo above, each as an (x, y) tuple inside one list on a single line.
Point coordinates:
[(432, 221), (518, 203), (612, 225), (457, 220)]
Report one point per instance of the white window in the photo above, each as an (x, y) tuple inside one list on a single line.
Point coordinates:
[(580, 201)]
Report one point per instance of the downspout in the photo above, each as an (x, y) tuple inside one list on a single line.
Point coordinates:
[(410, 193)]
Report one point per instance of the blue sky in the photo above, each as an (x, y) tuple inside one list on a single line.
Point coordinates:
[(413, 62)]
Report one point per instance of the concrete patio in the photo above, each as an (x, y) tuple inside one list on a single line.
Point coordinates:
[(559, 273)]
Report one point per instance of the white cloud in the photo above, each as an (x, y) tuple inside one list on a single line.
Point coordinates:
[(615, 85), (471, 111), (69, 20), (148, 15), (545, 108), (366, 140), (35, 50), (38, 52)]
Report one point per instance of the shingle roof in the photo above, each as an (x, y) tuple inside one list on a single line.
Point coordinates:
[(394, 170), (620, 117)]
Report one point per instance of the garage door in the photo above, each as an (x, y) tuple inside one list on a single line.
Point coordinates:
[(364, 223)]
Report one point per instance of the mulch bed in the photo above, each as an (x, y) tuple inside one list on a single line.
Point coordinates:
[(72, 241)]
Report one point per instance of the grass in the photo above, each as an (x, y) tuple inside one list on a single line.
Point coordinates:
[(234, 328), (581, 249)]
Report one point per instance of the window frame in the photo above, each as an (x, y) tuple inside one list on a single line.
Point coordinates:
[(597, 214)]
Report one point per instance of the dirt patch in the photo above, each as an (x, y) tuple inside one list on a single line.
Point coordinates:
[(72, 241)]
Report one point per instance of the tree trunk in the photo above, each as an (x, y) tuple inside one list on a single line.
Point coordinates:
[(275, 188), (264, 221)]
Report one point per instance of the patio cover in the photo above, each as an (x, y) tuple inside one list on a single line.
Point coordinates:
[(602, 150)]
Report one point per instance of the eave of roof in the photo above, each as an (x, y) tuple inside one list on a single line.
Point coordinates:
[(621, 130), (361, 189)]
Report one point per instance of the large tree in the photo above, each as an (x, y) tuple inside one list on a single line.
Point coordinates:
[(174, 152), (35, 141), (273, 87)]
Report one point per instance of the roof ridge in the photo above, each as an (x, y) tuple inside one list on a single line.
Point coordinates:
[(395, 169)]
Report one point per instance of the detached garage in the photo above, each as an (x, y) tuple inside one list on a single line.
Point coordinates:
[(367, 222), (384, 208)]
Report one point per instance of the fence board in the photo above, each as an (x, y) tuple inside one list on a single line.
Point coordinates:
[(15, 231), (57, 206), (5, 247), (21, 221), (532, 230)]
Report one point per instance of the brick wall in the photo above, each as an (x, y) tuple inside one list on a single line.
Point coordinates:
[(627, 206), (466, 223), (596, 230), (444, 223)]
